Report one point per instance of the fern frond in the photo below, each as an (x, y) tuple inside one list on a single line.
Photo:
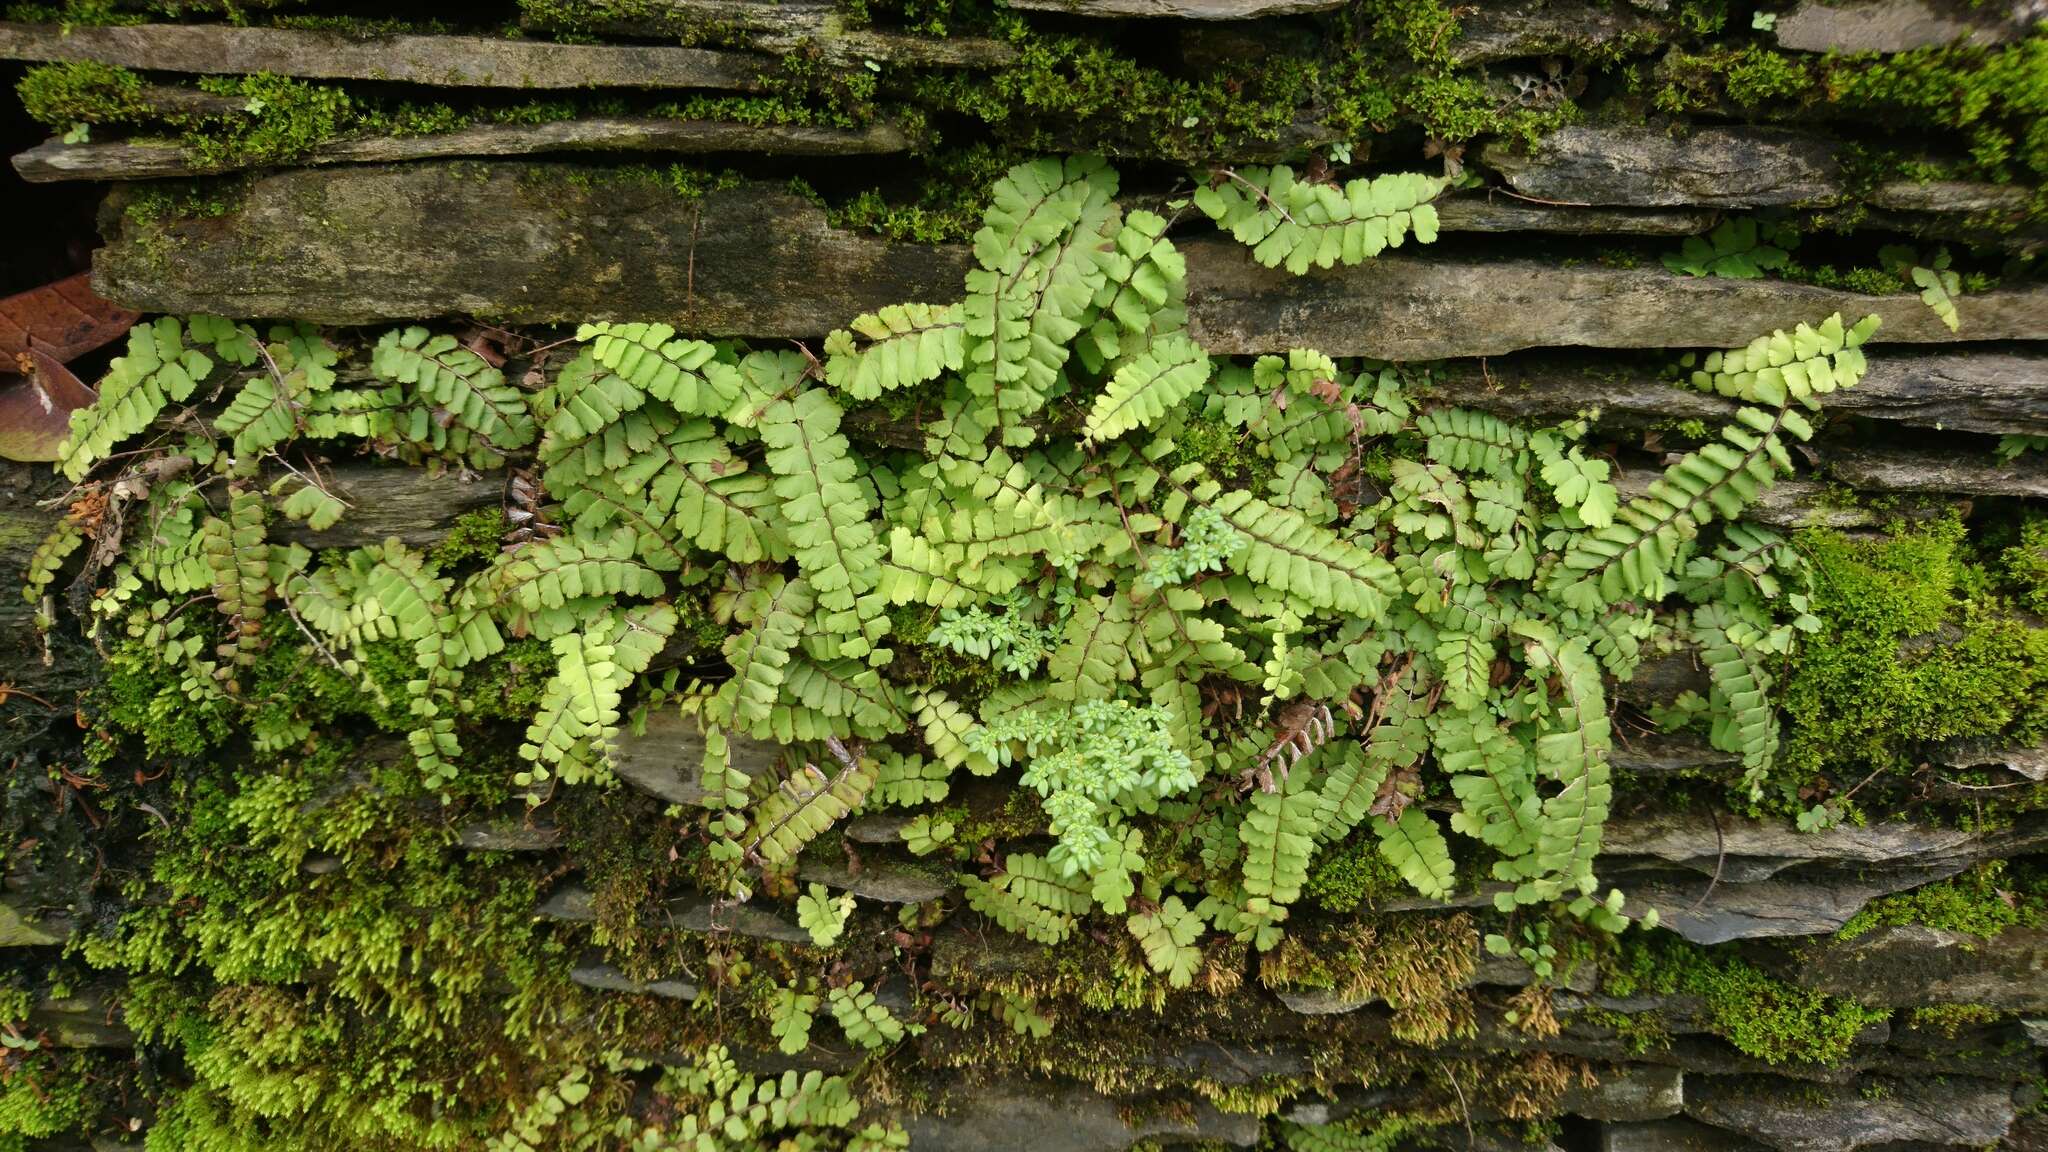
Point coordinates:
[(1144, 390), (1279, 837), (1286, 552), (1415, 846), (1298, 223), (1634, 555), (157, 370), (1803, 365), (774, 613), (687, 375), (1093, 659), (474, 396), (1168, 936), (826, 513), (63, 539), (804, 805), (1744, 721), (900, 346)]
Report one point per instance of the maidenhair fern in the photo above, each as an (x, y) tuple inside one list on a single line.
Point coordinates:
[(1298, 223), (1210, 617)]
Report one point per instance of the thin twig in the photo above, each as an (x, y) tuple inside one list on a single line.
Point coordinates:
[(1720, 860), (308, 632), (1540, 200), (1463, 1108), (1263, 197), (1954, 783)]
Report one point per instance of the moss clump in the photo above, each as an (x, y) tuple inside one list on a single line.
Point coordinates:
[(1227, 452), (1916, 645), (376, 1004), (1352, 874), (946, 207), (48, 1096), (1983, 902), (1766, 1017), (2026, 564), (474, 538), (1419, 965), (1951, 1019), (1993, 98), (81, 92)]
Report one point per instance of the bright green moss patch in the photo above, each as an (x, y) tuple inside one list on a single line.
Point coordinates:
[(474, 538), (1951, 1019), (49, 1095), (1983, 902), (81, 92), (1766, 1017), (1993, 99), (372, 1002), (1351, 875), (1917, 644)]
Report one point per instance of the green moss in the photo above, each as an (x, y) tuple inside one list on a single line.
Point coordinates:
[(1983, 902), (1227, 452), (1914, 646), (1869, 281), (1951, 1019), (1995, 99), (2026, 564), (1352, 874), (1766, 1017), (49, 1095), (81, 92), (946, 207), (374, 1005), (474, 538)]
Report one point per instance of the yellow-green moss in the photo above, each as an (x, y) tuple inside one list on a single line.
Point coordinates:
[(1983, 901), (1766, 1017), (81, 92), (1353, 873), (1916, 645)]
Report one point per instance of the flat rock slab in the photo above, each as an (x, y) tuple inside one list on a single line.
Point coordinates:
[(1980, 390), (23, 927), (1426, 306), (1486, 212), (1743, 850), (1647, 167), (778, 26), (528, 243), (666, 760), (1677, 1134), (1910, 965), (1803, 1118), (55, 160), (1975, 473), (1888, 26), (1061, 1117), (1628, 1092), (574, 904), (87, 1019), (595, 974), (1180, 9), (1501, 31), (883, 881), (412, 504), (545, 243), (443, 61)]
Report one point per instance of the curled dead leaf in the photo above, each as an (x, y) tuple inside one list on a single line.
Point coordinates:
[(36, 407)]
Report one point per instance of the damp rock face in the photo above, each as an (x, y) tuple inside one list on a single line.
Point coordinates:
[(703, 166)]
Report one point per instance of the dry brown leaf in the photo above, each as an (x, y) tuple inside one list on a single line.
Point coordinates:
[(36, 407), (63, 318), (1397, 792)]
